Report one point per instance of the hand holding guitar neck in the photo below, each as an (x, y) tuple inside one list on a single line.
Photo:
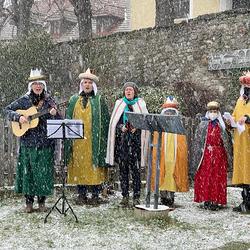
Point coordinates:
[(53, 111)]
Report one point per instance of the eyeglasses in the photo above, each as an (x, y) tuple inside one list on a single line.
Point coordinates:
[(37, 83)]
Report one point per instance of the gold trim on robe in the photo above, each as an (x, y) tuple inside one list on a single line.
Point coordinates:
[(80, 169)]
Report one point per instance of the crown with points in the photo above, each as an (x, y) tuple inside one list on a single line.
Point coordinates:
[(36, 74), (89, 74), (170, 103)]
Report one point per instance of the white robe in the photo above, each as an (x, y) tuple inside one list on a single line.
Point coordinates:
[(138, 107)]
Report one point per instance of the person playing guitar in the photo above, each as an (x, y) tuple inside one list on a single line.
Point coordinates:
[(34, 171)]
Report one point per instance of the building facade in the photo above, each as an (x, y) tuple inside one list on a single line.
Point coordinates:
[(143, 12)]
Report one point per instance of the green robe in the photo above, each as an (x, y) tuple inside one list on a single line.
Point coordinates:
[(100, 125), (35, 172)]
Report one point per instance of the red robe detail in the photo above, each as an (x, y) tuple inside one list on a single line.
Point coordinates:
[(210, 182)]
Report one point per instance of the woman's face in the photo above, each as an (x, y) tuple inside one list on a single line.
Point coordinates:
[(213, 114), (37, 87), (130, 93)]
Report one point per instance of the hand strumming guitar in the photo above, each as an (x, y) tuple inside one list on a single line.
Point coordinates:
[(23, 119)]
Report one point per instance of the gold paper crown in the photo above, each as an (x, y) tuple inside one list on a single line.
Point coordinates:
[(36, 74), (89, 75), (213, 105)]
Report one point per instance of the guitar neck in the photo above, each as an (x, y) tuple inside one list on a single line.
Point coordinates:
[(45, 111)]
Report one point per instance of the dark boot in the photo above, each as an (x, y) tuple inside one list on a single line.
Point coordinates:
[(29, 208), (167, 198), (95, 199), (81, 199), (136, 201), (244, 207), (214, 207), (42, 208), (82, 195), (241, 208), (207, 205), (41, 204), (125, 201), (29, 203)]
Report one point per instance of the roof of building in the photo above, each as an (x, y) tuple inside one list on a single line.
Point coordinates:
[(45, 11)]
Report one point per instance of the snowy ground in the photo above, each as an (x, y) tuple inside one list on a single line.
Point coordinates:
[(110, 227)]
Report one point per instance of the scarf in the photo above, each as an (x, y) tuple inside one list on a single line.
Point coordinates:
[(128, 103), (35, 99), (85, 97), (214, 122)]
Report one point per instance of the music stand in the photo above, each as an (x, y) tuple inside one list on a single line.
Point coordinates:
[(64, 129), (159, 123)]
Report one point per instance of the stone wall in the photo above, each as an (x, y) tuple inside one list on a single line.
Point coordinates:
[(156, 57), (166, 55)]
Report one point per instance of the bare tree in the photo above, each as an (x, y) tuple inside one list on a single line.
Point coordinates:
[(20, 12), (1, 5), (82, 9), (164, 13), (3, 14)]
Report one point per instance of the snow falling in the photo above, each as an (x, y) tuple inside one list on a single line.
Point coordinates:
[(74, 158)]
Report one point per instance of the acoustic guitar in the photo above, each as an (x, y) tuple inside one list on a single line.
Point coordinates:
[(32, 115)]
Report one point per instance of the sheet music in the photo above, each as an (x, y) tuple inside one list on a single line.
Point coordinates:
[(73, 128), (52, 129), (240, 128)]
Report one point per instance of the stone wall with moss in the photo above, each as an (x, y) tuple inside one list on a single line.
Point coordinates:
[(162, 61)]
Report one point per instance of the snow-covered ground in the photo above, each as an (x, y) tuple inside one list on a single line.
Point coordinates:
[(110, 227)]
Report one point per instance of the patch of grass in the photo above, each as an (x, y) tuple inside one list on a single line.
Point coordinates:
[(108, 219), (50, 243), (235, 245), (139, 247)]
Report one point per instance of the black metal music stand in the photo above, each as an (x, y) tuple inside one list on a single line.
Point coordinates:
[(159, 123), (64, 129)]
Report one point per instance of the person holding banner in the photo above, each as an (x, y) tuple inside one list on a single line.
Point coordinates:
[(35, 166), (174, 159), (127, 145), (86, 158), (212, 156)]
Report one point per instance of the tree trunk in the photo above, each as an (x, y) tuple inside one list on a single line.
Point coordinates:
[(21, 16), (164, 13), (241, 4), (24, 17), (83, 12), (1, 5)]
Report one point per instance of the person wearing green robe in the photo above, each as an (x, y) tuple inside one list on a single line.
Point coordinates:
[(35, 166), (86, 157)]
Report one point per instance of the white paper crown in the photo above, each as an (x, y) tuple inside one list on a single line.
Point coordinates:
[(36, 74)]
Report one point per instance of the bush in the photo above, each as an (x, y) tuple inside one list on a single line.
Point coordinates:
[(16, 60), (192, 99)]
